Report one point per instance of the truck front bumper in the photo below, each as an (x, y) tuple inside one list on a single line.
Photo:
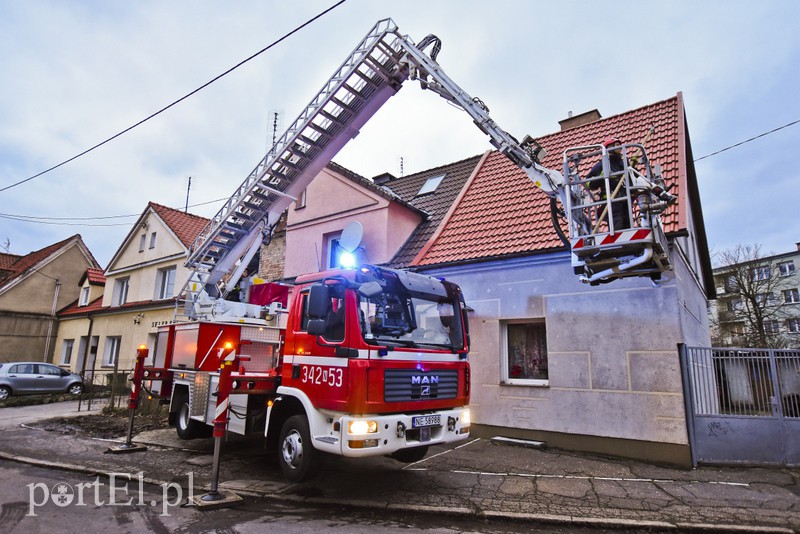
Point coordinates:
[(385, 434)]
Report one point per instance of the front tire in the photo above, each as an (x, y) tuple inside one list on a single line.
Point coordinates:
[(75, 389), (187, 427), (296, 455), (5, 392)]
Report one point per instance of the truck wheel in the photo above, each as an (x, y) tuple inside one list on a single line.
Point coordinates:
[(409, 456), (187, 427), (296, 454)]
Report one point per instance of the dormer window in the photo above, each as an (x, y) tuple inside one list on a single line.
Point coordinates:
[(84, 300), (430, 185)]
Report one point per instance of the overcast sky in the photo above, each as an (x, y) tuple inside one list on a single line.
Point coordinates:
[(75, 73)]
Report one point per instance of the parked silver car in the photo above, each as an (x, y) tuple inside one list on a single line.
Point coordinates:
[(34, 378)]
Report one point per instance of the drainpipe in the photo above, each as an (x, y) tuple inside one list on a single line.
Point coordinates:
[(52, 319)]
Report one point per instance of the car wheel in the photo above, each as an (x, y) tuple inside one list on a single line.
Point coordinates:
[(296, 455), (409, 456), (5, 392), (75, 389)]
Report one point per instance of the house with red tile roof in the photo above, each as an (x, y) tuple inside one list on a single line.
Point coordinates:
[(121, 307), (32, 287), (581, 367)]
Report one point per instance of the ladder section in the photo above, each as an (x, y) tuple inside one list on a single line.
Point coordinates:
[(360, 86), (614, 216)]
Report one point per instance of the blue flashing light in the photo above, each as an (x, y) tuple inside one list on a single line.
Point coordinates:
[(347, 260)]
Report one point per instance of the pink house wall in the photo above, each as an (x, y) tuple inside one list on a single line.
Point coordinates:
[(333, 201)]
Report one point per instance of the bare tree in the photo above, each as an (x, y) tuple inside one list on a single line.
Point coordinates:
[(751, 308)]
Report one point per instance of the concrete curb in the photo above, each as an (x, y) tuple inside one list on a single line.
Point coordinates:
[(594, 522)]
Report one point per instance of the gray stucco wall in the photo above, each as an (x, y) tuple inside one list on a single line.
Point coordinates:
[(612, 349)]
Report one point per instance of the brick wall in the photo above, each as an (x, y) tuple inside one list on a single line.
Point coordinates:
[(273, 256)]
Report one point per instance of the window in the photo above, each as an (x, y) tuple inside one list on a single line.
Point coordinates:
[(165, 283), (111, 352), (50, 370), (786, 268), (334, 251), (772, 327), (84, 300), (735, 305), (430, 185), (22, 369), (66, 351), (153, 240), (793, 325), (120, 295), (730, 284), (791, 296), (142, 241), (761, 273), (766, 299), (525, 354)]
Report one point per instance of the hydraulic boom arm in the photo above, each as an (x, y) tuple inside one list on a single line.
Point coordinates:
[(372, 74)]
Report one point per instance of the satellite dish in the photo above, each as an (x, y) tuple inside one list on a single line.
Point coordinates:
[(351, 236)]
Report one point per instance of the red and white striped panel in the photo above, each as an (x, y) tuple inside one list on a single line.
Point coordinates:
[(618, 238)]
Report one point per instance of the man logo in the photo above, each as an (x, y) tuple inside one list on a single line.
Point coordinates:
[(425, 391), (424, 379)]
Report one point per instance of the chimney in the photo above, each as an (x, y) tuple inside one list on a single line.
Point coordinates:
[(383, 179), (579, 120), (798, 246)]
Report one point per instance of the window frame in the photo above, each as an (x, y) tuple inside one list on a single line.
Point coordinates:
[(761, 272), (793, 325), (790, 268), (505, 377), (84, 298), (164, 289), (121, 288), (67, 346), (772, 327), (795, 296), (111, 350)]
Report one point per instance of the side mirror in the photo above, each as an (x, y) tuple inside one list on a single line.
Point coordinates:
[(370, 289), (317, 327), (319, 302)]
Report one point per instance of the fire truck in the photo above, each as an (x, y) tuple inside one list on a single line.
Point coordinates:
[(369, 360)]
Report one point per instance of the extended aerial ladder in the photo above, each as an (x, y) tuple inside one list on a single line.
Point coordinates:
[(372, 74)]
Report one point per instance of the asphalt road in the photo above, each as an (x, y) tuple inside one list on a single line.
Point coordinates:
[(35, 499)]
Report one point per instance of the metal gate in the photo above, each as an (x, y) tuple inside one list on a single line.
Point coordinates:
[(742, 405)]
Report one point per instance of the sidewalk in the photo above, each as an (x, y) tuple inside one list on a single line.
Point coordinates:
[(478, 479)]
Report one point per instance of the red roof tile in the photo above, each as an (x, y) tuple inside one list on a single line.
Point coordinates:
[(10, 269), (96, 276), (185, 225), (502, 213)]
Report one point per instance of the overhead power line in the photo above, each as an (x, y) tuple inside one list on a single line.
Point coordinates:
[(75, 221), (748, 140), (181, 99)]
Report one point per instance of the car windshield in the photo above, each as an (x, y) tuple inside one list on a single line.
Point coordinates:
[(419, 320)]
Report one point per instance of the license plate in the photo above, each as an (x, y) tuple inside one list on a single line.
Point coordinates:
[(421, 421)]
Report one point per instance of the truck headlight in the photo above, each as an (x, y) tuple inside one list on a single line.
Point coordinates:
[(466, 419), (362, 427)]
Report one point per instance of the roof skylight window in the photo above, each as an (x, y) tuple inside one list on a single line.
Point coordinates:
[(430, 185)]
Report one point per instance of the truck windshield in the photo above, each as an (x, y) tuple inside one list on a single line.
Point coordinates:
[(414, 321)]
